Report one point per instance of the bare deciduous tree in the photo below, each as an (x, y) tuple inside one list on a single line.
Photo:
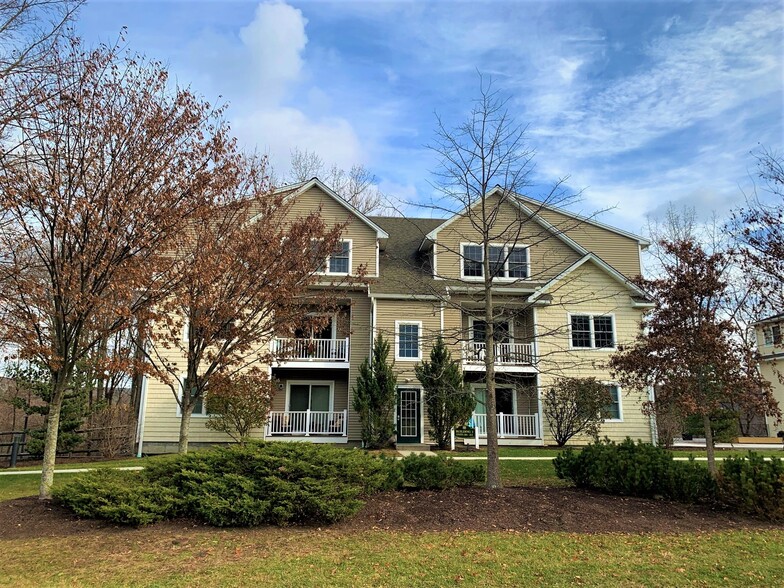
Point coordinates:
[(759, 228), (358, 185), (112, 162), (489, 153)]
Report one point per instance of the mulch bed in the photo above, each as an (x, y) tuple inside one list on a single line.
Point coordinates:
[(461, 509)]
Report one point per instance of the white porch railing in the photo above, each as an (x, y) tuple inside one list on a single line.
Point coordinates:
[(510, 425), (505, 353), (305, 423), (311, 349)]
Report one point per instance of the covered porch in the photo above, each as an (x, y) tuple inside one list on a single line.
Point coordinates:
[(518, 413), (311, 405)]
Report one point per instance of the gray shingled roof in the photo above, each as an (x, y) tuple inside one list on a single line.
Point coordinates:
[(404, 270)]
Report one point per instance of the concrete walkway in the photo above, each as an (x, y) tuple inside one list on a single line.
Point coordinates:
[(69, 471)]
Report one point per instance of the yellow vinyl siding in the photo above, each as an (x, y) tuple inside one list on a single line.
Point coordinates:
[(590, 291), (548, 255), (426, 312), (363, 237), (770, 368), (359, 351), (621, 252)]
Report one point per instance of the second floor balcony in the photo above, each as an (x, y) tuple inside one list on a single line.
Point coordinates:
[(311, 352), (509, 356)]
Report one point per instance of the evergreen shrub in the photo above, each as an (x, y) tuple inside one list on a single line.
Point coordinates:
[(635, 469), (753, 485)]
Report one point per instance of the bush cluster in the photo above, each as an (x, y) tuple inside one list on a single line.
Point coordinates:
[(259, 483), (753, 485), (438, 473), (635, 469)]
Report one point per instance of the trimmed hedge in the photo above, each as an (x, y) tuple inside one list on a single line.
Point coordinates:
[(438, 473), (635, 469), (259, 483), (753, 485)]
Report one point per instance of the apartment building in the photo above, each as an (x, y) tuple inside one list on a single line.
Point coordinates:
[(564, 300)]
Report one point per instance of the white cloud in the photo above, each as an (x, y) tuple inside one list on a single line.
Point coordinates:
[(277, 131), (568, 67), (275, 39), (274, 68)]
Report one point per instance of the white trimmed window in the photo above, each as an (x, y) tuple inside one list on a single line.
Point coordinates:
[(339, 262), (589, 331), (506, 261), (612, 412), (408, 340), (772, 334)]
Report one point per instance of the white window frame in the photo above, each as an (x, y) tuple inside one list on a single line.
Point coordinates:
[(203, 413), (591, 316), (506, 248), (768, 337), (330, 383), (620, 402), (397, 341), (328, 270)]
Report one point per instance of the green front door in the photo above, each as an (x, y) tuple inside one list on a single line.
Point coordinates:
[(408, 416)]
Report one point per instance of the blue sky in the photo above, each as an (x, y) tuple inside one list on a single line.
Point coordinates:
[(640, 103)]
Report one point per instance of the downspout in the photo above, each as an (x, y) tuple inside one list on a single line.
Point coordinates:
[(142, 411)]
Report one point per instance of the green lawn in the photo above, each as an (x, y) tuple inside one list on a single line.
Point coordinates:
[(178, 556)]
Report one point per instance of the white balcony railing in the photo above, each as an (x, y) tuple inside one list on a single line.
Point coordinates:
[(510, 425), (311, 349), (305, 423), (505, 353)]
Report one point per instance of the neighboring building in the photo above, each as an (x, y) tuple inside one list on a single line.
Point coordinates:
[(565, 287), (770, 343)]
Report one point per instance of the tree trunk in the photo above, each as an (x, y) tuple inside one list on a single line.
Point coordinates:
[(493, 465), (50, 445), (706, 422), (185, 425)]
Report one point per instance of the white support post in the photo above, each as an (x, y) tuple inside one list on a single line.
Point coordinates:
[(501, 432), (345, 422), (452, 438), (307, 423), (476, 431)]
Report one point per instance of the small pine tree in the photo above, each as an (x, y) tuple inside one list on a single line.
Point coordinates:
[(374, 397), (33, 394), (449, 402)]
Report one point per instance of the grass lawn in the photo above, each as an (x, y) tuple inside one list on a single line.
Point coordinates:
[(167, 556)]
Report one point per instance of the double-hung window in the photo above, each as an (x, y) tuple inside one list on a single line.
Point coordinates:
[(339, 262), (592, 331), (408, 344), (506, 261), (772, 334), (612, 411)]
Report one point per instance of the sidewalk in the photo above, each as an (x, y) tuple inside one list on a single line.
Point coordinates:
[(69, 471)]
